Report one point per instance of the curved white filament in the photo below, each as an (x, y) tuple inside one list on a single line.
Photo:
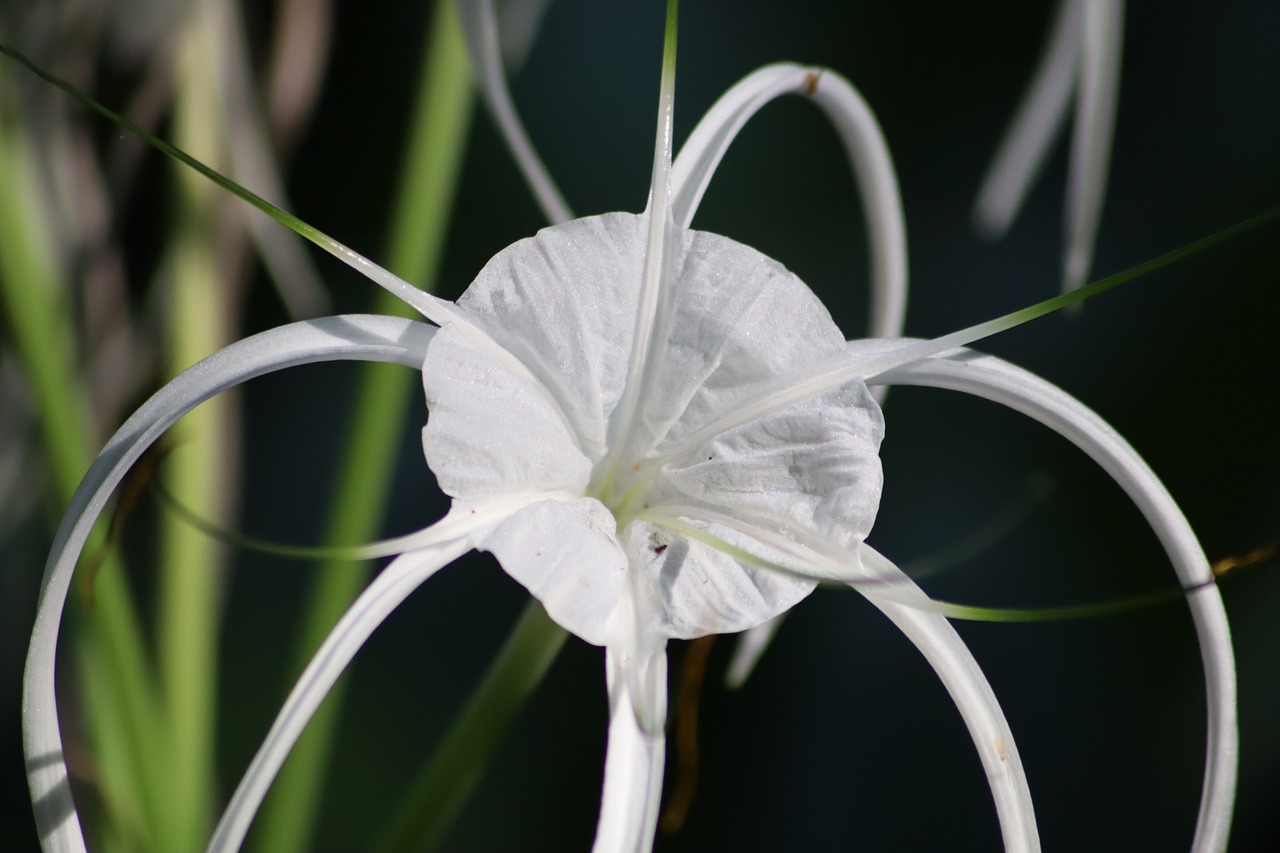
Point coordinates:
[(662, 246), (748, 650), (393, 585), (834, 373), (996, 380), (480, 29), (864, 145), (1103, 26), (334, 338), (916, 615), (1082, 57), (951, 659), (1036, 125), (254, 163)]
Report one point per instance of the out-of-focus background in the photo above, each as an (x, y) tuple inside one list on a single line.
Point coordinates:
[(843, 739)]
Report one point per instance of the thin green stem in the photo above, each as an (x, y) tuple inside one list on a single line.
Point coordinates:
[(344, 253), (1137, 271), (951, 610), (309, 553), (444, 785), (419, 227)]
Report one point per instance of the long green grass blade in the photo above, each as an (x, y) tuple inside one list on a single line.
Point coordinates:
[(191, 567)]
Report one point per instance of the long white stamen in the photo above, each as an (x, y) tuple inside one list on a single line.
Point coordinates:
[(463, 517), (334, 338), (840, 370), (864, 145), (923, 621), (396, 582), (657, 263), (988, 377)]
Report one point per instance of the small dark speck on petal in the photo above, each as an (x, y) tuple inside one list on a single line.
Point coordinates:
[(659, 549)]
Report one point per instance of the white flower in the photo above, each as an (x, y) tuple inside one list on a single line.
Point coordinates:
[(661, 434), (628, 433)]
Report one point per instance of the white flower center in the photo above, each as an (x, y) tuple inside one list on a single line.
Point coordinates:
[(626, 474)]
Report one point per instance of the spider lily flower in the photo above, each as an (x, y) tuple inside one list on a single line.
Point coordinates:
[(852, 119), (661, 433), (1082, 58)]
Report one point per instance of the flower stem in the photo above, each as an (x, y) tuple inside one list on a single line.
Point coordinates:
[(192, 566)]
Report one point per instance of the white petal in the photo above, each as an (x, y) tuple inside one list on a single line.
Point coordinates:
[(329, 339), (491, 432), (744, 322), (993, 379), (392, 586), (563, 302), (633, 764), (864, 145), (693, 589), (567, 556), (814, 466)]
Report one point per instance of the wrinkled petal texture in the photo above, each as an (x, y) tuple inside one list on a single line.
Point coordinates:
[(567, 556), (692, 589), (732, 326)]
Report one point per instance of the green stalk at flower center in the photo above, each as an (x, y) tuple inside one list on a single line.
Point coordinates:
[(624, 489), (662, 243)]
